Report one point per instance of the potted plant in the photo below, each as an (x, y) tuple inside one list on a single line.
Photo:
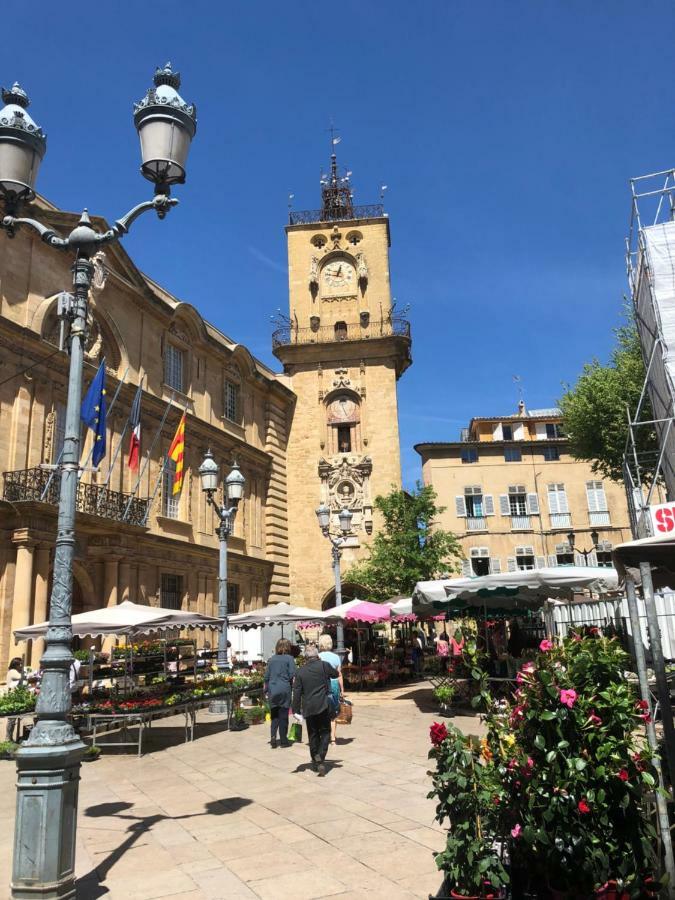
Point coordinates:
[(91, 754), (238, 720), (443, 695), (465, 788), (574, 779), (254, 715), (8, 749)]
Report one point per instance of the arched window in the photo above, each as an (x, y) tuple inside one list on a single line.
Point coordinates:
[(340, 331), (344, 423)]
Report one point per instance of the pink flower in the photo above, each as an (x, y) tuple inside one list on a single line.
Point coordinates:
[(568, 697), (516, 831), (594, 719), (530, 762), (545, 646), (524, 675)]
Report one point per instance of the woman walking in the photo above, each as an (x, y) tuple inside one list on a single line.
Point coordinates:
[(337, 688), (279, 675)]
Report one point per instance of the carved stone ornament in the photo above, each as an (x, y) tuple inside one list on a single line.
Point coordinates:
[(341, 378), (50, 424), (346, 483), (177, 332), (100, 272), (361, 267), (314, 272), (336, 237)]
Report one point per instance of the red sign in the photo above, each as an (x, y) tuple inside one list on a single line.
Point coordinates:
[(663, 518)]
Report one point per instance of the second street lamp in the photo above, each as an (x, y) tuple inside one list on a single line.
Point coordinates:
[(337, 542), (48, 763), (595, 537), (233, 493)]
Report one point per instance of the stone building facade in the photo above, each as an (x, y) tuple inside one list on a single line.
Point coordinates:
[(513, 493), (154, 548), (343, 349)]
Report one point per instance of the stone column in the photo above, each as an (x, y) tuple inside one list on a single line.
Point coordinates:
[(124, 582), (110, 579), (23, 591), (41, 605)]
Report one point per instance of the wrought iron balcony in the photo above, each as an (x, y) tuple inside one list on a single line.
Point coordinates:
[(35, 485), (336, 214), (341, 331)]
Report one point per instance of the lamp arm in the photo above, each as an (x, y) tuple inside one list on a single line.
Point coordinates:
[(161, 204), (48, 235)]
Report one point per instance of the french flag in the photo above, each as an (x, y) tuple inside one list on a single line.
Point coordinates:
[(135, 422)]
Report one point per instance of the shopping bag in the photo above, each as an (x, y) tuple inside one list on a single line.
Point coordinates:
[(344, 716), (295, 733)]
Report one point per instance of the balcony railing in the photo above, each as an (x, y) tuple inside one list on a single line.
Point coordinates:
[(561, 520), (356, 331), (338, 214), (476, 523), (35, 485), (520, 523), (598, 518)]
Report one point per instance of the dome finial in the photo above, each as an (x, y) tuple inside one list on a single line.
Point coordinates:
[(16, 95), (167, 76)]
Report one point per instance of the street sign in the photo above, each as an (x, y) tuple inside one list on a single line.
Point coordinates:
[(662, 517)]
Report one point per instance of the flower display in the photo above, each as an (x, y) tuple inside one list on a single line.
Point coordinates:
[(438, 733)]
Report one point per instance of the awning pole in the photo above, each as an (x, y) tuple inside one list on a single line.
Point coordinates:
[(641, 666), (662, 689)]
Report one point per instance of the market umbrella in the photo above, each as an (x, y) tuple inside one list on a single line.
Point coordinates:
[(126, 618), (275, 614), (515, 590), (658, 551), (359, 611)]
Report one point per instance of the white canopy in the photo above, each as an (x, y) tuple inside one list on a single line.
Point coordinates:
[(275, 614), (527, 589), (403, 606), (659, 552), (126, 618)]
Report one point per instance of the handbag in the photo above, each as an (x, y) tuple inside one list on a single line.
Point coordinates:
[(295, 733), (344, 716)]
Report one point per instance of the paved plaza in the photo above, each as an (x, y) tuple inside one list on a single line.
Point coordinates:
[(228, 817)]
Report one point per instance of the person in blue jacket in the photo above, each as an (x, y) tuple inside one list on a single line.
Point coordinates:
[(279, 675)]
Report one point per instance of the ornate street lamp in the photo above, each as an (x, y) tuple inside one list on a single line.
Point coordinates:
[(595, 537), (48, 763), (337, 542), (232, 495)]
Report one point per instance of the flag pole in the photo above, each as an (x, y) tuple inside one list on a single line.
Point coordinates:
[(152, 446), (110, 409), (119, 446), (158, 482)]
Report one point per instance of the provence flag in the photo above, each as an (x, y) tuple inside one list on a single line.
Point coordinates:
[(93, 413), (176, 451), (135, 422)]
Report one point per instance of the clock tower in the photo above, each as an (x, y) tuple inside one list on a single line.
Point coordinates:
[(343, 349)]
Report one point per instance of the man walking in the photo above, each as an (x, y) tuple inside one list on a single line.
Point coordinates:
[(310, 696)]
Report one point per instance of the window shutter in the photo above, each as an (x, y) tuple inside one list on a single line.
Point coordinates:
[(592, 559), (497, 432), (540, 429), (578, 559), (466, 568), (460, 505), (533, 504), (601, 498), (591, 496), (541, 562), (488, 505), (495, 566), (553, 505), (511, 564), (562, 499), (504, 505), (553, 561)]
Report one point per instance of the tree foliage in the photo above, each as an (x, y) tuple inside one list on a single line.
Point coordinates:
[(594, 409), (408, 548)]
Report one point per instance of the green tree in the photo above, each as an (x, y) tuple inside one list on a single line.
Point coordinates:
[(594, 409), (408, 548)]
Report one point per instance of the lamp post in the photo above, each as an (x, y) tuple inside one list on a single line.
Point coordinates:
[(232, 494), (595, 537), (48, 763), (337, 543)]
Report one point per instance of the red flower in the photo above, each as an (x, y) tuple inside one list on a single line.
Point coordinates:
[(594, 719), (641, 704), (438, 733), (623, 775), (583, 807)]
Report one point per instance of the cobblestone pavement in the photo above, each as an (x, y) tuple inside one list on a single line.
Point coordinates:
[(228, 817)]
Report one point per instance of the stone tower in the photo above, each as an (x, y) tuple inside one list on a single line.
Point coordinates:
[(344, 349)]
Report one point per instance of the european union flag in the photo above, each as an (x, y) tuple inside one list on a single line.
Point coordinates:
[(93, 413)]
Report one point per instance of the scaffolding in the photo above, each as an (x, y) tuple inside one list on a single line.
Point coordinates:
[(649, 474)]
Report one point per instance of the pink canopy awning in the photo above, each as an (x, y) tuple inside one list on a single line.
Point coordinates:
[(359, 611)]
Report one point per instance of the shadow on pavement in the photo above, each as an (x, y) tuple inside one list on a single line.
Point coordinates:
[(89, 887)]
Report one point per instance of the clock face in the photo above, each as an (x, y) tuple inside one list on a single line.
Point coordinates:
[(338, 278)]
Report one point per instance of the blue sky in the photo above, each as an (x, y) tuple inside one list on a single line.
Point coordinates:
[(506, 132)]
